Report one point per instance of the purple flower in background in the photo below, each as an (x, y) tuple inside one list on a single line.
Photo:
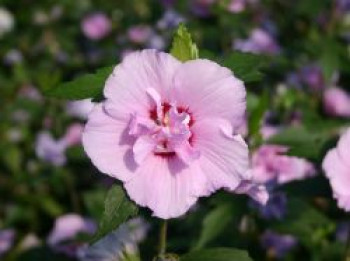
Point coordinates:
[(256, 191), (7, 237), (237, 6), (342, 6), (80, 109), (31, 93), (202, 7), (167, 3), (66, 228), (156, 42), (275, 208), (342, 231), (120, 244), (50, 150), (140, 34), (277, 245), (171, 19), (336, 102), (259, 41), (311, 75), (267, 131), (96, 26), (12, 57), (269, 163)]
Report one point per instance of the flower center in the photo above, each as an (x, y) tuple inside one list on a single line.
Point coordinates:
[(166, 132)]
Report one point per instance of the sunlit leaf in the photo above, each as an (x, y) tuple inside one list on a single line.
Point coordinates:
[(183, 48)]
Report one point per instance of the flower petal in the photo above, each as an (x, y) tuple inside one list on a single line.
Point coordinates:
[(210, 90), (167, 186), (107, 143), (224, 159), (126, 88), (143, 146)]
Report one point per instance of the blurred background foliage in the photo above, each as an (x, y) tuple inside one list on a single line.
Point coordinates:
[(306, 52)]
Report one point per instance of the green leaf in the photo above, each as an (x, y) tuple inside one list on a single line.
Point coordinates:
[(246, 66), (301, 142), (256, 114), (183, 48), (83, 87), (214, 224), (306, 223), (329, 58), (93, 201), (217, 254), (118, 208)]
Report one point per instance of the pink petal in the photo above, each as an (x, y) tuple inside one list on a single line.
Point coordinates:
[(224, 157), (187, 153), (108, 144), (126, 88), (337, 172), (255, 190), (336, 168), (143, 146), (166, 186), (210, 91)]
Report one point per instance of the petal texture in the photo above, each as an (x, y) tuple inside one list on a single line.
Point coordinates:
[(224, 157), (126, 88), (107, 143), (210, 90), (336, 167), (166, 186)]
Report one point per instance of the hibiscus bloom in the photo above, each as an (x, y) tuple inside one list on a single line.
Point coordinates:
[(269, 164), (337, 169), (166, 130)]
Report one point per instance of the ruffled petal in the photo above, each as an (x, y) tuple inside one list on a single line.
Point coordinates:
[(127, 88), (209, 90), (224, 157), (338, 173), (143, 146), (167, 186), (108, 144)]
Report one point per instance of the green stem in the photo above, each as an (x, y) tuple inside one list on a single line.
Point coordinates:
[(163, 237)]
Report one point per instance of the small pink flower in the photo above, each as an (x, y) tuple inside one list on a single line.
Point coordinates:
[(50, 150), (337, 102), (336, 166), (80, 109), (66, 228), (237, 6), (96, 26), (269, 163), (267, 131), (7, 238), (167, 130), (260, 41), (73, 134), (140, 33)]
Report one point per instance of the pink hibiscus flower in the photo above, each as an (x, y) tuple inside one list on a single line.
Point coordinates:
[(166, 130), (269, 163), (96, 26), (337, 169)]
